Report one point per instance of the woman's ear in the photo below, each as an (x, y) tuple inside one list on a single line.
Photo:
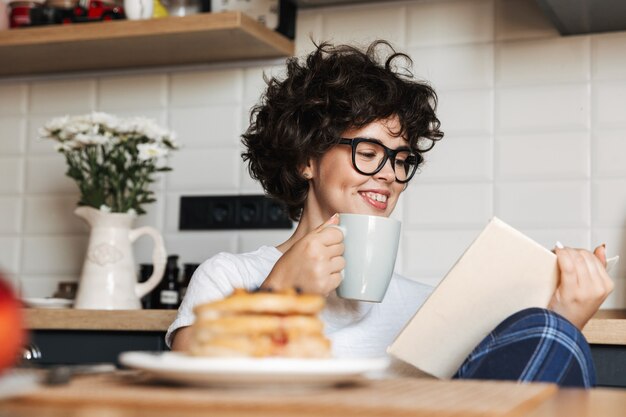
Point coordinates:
[(307, 170)]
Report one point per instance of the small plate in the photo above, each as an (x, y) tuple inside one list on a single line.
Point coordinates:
[(48, 302), (248, 372)]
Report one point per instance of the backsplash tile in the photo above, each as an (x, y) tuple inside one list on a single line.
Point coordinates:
[(608, 104), (53, 254), (197, 126), (202, 169), (46, 174), (466, 111), (197, 88), (9, 255), (554, 107), (431, 253), (13, 99), (534, 122), (10, 215), (440, 66), (543, 204), (539, 156), (52, 215), (608, 58), (558, 60), (59, 98), (458, 158), (12, 135), (608, 158), (608, 203), (448, 22), (143, 92), (360, 25), (11, 176), (448, 205)]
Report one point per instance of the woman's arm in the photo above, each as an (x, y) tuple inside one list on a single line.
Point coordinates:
[(584, 284), (181, 339)]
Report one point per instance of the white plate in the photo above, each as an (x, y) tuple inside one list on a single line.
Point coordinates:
[(48, 302), (178, 367)]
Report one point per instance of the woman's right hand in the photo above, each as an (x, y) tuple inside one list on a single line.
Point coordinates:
[(313, 264)]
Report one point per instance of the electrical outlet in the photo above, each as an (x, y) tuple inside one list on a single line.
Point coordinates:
[(231, 213)]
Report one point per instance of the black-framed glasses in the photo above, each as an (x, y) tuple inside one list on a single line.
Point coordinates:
[(369, 156)]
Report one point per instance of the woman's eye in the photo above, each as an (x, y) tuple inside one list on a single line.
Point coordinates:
[(368, 155)]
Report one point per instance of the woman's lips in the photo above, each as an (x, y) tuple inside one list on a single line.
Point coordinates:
[(373, 199)]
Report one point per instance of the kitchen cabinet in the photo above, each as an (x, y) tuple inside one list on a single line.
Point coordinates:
[(69, 336), (195, 39)]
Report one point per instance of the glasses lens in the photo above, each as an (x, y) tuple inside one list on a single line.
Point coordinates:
[(370, 156), (406, 163)]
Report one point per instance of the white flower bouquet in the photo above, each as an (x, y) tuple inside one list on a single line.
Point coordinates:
[(112, 160)]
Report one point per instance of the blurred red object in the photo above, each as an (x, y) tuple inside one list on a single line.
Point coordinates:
[(12, 333)]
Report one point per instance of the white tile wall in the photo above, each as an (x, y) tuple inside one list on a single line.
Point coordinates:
[(558, 60), (535, 134), (12, 135), (544, 204), (547, 107), (540, 156)]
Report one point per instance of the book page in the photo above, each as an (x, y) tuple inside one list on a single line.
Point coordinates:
[(502, 272)]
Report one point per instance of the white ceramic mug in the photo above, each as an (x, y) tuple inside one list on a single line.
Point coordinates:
[(138, 9), (371, 247)]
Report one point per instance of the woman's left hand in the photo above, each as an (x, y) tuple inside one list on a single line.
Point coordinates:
[(584, 284)]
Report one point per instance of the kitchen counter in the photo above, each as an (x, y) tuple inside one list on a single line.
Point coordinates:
[(108, 320), (607, 327)]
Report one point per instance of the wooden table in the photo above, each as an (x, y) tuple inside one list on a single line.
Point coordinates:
[(130, 394)]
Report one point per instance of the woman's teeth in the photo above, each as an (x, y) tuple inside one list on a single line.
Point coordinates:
[(377, 197)]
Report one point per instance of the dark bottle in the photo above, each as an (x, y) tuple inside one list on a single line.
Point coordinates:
[(145, 271), (168, 290), (188, 270)]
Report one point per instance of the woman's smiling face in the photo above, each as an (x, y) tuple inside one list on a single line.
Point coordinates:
[(336, 187)]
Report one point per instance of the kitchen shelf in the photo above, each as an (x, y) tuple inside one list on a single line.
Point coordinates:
[(195, 39)]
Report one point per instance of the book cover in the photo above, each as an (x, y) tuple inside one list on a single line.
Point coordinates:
[(502, 272)]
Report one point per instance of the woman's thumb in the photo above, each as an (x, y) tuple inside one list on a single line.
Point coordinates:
[(600, 253)]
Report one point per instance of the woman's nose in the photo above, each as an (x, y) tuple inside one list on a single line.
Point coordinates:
[(387, 172)]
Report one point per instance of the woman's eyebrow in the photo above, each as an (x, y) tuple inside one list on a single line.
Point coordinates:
[(381, 142)]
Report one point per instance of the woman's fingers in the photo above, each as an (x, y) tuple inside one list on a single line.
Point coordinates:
[(569, 278), (600, 253)]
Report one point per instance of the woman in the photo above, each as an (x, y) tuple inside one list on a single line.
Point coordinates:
[(345, 133)]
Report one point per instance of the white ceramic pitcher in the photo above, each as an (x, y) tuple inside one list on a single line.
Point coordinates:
[(108, 280)]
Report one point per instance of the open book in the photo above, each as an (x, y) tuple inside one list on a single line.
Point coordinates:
[(503, 271)]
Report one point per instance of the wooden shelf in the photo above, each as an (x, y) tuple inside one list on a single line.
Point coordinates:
[(195, 39), (113, 320)]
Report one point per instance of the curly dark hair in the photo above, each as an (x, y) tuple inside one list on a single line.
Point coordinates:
[(334, 89)]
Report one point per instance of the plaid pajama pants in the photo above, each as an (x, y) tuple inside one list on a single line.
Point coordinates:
[(533, 345)]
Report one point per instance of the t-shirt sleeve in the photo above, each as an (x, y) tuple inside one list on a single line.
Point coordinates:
[(213, 280)]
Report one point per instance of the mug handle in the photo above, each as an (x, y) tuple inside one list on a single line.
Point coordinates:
[(345, 233), (159, 259)]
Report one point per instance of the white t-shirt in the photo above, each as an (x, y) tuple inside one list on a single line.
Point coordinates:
[(355, 328)]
